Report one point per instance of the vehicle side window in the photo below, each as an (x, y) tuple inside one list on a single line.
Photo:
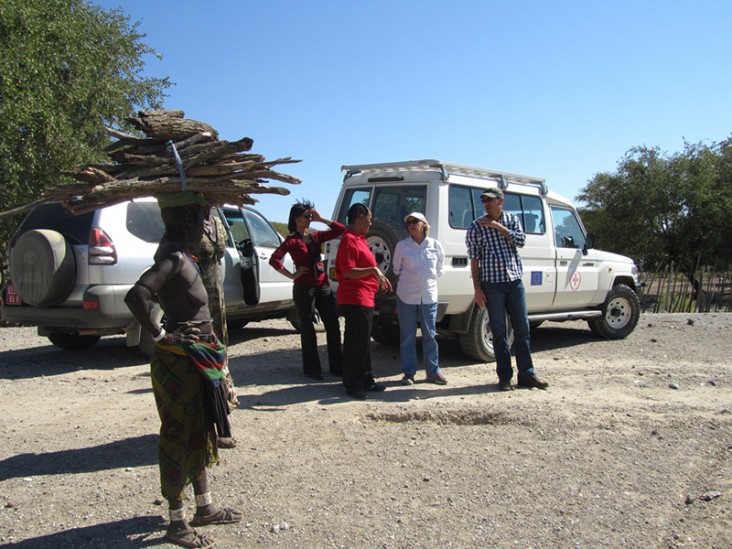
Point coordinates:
[(393, 204), (568, 232), (533, 215), (461, 207), (144, 221), (263, 234), (353, 196), (239, 229), (512, 204)]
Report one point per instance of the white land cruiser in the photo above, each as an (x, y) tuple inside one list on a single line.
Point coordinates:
[(564, 276)]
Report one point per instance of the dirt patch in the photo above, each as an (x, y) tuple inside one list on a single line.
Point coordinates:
[(619, 452)]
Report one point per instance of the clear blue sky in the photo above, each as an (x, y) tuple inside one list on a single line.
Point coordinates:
[(554, 89)]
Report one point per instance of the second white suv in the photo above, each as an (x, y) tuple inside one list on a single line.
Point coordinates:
[(565, 277), (69, 274)]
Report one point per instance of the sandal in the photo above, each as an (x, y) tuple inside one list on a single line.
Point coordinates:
[(226, 442), (222, 516), (190, 539)]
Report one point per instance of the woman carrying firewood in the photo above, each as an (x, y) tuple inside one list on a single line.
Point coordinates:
[(186, 371)]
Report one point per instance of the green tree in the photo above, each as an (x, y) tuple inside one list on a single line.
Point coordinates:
[(660, 208), (67, 69)]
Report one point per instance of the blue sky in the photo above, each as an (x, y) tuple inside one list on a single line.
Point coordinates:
[(553, 89)]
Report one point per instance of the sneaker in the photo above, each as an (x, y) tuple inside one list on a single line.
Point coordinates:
[(377, 388), (408, 379), (439, 379), (505, 385), (534, 382)]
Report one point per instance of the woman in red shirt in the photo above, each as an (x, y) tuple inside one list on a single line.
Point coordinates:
[(358, 281), (311, 290)]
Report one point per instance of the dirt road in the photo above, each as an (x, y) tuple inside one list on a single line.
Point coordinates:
[(631, 446)]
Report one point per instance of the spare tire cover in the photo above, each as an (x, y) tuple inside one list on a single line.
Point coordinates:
[(43, 268)]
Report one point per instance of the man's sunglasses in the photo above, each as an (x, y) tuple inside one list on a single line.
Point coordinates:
[(412, 221)]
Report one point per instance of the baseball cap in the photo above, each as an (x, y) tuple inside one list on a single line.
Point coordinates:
[(492, 193)]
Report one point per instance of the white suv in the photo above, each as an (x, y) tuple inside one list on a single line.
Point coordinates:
[(69, 274), (565, 277)]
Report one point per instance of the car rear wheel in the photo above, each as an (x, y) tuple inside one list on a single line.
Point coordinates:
[(385, 335), (477, 342), (42, 268), (73, 342)]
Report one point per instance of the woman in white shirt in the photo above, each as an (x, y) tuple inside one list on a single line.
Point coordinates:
[(418, 261)]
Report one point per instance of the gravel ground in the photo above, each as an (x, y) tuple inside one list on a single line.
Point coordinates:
[(631, 446)]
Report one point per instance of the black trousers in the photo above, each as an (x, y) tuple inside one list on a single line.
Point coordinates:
[(307, 299), (357, 374)]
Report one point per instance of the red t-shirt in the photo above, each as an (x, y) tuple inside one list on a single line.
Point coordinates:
[(354, 252)]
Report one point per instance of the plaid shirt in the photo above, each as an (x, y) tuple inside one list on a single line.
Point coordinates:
[(497, 257)]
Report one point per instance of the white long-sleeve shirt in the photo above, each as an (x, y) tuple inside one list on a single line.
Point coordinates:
[(418, 267)]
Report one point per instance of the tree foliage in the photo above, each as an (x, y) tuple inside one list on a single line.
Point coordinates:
[(660, 208), (67, 69)]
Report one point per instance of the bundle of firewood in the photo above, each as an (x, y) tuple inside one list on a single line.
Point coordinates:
[(177, 154)]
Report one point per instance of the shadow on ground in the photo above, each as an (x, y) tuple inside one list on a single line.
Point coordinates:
[(133, 532), (130, 452)]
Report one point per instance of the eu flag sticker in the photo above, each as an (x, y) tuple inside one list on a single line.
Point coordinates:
[(536, 278)]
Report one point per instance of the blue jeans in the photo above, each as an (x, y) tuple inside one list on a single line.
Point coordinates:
[(502, 298), (408, 337)]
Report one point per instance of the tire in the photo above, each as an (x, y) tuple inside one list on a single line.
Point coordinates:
[(620, 314), (382, 239), (73, 342), (477, 342), (147, 344), (43, 268), (385, 335)]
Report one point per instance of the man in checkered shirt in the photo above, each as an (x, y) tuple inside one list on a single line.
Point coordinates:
[(493, 241)]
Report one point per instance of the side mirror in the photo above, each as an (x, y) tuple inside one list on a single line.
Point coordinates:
[(589, 243)]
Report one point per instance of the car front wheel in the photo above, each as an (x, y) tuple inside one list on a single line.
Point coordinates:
[(619, 314)]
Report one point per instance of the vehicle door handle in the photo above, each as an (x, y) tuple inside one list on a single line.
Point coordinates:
[(563, 263), (263, 256)]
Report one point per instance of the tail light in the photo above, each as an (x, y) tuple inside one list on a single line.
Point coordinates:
[(101, 248)]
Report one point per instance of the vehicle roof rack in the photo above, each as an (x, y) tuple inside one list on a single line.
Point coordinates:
[(446, 168)]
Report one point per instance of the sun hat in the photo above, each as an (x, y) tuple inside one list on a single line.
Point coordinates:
[(416, 215)]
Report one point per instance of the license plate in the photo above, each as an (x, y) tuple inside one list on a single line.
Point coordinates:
[(11, 296)]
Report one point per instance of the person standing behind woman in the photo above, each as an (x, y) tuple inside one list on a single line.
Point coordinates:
[(358, 281), (311, 289), (209, 252), (418, 261)]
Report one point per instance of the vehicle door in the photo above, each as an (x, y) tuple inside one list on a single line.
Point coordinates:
[(577, 271), (273, 287), (537, 255)]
